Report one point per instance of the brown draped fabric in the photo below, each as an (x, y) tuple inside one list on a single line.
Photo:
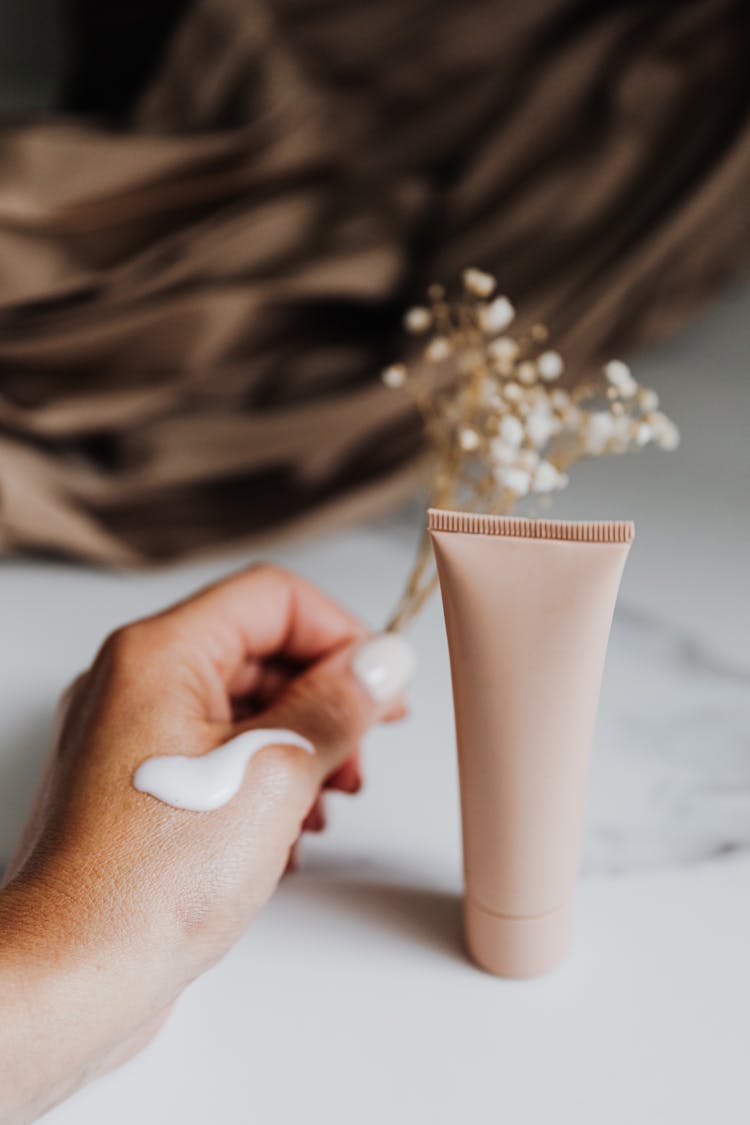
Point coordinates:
[(196, 299)]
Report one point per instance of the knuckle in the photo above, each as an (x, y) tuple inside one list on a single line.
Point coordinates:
[(134, 646), (119, 647), (265, 569)]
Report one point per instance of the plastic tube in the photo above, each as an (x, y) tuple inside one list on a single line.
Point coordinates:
[(528, 606)]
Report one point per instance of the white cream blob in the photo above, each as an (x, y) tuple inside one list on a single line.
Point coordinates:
[(210, 780)]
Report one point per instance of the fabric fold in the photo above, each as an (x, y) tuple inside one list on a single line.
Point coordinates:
[(196, 299)]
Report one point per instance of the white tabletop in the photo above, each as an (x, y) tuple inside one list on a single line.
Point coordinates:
[(350, 1000)]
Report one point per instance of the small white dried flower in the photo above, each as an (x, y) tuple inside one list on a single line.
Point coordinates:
[(670, 439), (648, 399), (491, 396), (516, 480), (642, 433), (526, 373), (621, 438), (550, 365), (548, 478), (478, 283), (598, 429), (394, 376), (540, 426), (666, 434), (527, 459), (417, 320), (439, 348), (503, 349), (512, 392), (502, 453), (468, 439), (559, 398), (618, 374), (511, 430), (496, 316)]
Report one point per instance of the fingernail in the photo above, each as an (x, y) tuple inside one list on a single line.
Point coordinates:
[(346, 779), (315, 821), (384, 665)]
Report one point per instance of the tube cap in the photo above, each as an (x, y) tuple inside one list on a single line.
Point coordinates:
[(517, 947)]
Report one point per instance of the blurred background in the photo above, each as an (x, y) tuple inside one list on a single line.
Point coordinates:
[(213, 213)]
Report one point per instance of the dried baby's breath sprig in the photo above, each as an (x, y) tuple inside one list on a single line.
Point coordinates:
[(499, 424)]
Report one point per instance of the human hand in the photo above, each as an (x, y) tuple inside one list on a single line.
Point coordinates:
[(116, 901)]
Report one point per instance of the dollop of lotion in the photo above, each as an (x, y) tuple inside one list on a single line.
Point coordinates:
[(210, 780)]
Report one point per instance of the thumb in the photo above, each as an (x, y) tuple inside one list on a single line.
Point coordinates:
[(331, 705), (337, 699)]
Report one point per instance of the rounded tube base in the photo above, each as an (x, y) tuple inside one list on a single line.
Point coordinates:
[(517, 947)]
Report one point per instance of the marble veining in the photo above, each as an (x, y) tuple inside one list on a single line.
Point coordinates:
[(671, 771)]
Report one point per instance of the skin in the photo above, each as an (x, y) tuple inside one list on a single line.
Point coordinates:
[(114, 901)]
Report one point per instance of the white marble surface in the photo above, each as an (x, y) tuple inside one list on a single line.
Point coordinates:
[(350, 1000)]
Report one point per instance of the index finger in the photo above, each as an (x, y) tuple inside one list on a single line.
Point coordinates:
[(260, 612)]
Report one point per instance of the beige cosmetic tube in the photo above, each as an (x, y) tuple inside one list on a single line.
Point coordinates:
[(528, 606)]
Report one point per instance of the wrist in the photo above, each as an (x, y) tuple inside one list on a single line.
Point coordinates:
[(67, 921), (35, 1063), (65, 1001)]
